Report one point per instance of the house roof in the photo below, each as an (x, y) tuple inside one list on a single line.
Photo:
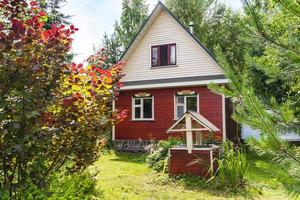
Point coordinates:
[(198, 118), (160, 6)]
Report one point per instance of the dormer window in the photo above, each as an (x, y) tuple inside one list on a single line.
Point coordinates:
[(163, 55)]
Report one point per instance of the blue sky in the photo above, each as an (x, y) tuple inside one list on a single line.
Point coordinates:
[(94, 17)]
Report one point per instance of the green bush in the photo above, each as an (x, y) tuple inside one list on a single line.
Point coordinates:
[(79, 186), (157, 158), (26, 191), (4, 195), (232, 170)]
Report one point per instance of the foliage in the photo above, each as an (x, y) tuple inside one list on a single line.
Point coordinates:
[(279, 61), (52, 8), (232, 169), (134, 13), (50, 111), (83, 113), (4, 195), (31, 62), (73, 186), (158, 156), (29, 191), (253, 95), (112, 47), (215, 25), (80, 186), (273, 113), (190, 11), (251, 110)]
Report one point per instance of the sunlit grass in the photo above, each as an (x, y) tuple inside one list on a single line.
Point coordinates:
[(125, 176)]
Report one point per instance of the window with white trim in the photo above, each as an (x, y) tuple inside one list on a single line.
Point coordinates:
[(143, 108), (184, 103), (163, 55)]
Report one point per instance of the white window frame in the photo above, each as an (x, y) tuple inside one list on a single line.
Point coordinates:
[(184, 104), (141, 106), (166, 66)]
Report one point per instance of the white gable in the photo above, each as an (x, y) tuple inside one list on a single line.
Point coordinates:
[(162, 28)]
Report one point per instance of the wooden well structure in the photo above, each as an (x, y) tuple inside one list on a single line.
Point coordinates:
[(193, 157)]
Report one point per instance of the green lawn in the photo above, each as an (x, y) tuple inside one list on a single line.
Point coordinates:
[(125, 176)]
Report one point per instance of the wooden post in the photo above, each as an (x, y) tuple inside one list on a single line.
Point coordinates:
[(189, 133), (199, 138)]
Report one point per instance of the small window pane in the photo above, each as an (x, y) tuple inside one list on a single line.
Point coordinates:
[(180, 111), (155, 56), (172, 55), (180, 99), (164, 55), (147, 108), (137, 102), (137, 112), (191, 103)]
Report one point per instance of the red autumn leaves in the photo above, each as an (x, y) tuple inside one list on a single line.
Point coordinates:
[(94, 84), (26, 30), (29, 21), (89, 75)]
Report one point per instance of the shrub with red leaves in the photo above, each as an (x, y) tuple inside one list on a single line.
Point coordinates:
[(50, 111)]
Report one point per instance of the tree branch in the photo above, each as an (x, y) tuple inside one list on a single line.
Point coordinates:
[(262, 31), (282, 148)]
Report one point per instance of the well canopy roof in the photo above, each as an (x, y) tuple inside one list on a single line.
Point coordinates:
[(199, 123)]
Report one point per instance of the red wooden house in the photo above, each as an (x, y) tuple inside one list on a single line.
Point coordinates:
[(167, 72)]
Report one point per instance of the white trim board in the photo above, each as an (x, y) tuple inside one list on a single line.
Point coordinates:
[(176, 84)]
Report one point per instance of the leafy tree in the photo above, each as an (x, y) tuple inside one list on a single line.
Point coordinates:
[(50, 111), (112, 47), (276, 25), (52, 8), (82, 113), (190, 11), (214, 25), (31, 61), (134, 13), (278, 62)]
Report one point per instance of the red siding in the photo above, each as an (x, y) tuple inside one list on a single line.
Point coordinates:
[(181, 162), (210, 107)]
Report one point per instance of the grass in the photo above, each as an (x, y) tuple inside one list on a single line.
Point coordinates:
[(125, 176), (273, 180)]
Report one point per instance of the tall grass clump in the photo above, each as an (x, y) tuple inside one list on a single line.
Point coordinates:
[(232, 170)]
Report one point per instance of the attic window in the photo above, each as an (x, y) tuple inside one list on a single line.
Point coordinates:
[(163, 55)]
